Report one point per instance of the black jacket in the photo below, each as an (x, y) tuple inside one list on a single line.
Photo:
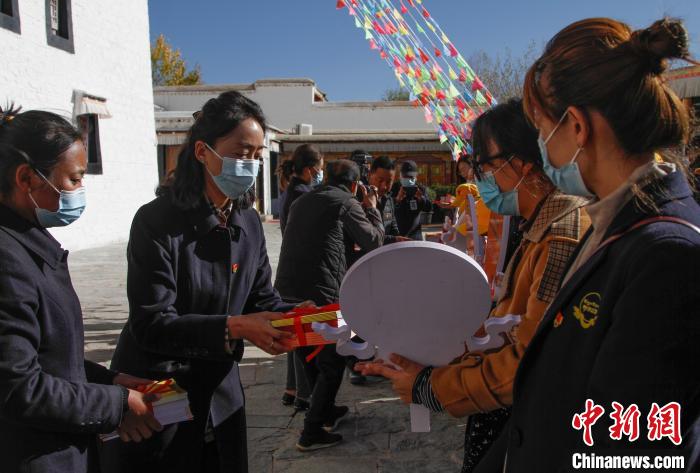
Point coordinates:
[(624, 328), (322, 223), (48, 410), (295, 189), (385, 206), (186, 274), (408, 212)]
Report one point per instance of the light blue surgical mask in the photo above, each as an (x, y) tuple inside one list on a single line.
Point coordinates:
[(237, 175), (317, 179), (568, 177), (408, 181), (504, 203), (71, 205)]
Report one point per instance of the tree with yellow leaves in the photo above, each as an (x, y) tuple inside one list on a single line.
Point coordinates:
[(168, 67)]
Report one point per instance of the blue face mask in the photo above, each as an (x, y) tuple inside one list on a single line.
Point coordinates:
[(71, 205), (317, 179), (408, 181), (568, 177), (237, 175), (504, 203)]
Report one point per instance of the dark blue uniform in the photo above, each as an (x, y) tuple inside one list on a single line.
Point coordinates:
[(186, 274), (49, 413), (624, 328)]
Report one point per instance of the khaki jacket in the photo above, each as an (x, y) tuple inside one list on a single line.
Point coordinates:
[(482, 382)]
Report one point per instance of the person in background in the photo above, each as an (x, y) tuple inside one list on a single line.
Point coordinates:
[(509, 172), (363, 160), (306, 165), (199, 284), (322, 224), (624, 326), (284, 172), (307, 173), (411, 199), (54, 401)]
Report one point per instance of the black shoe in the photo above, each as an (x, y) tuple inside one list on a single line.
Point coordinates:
[(357, 379), (288, 399), (318, 440), (338, 413), (301, 405)]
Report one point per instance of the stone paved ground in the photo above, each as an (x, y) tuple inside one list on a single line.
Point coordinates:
[(376, 436)]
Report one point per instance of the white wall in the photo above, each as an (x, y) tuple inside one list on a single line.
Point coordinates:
[(111, 60), (286, 105)]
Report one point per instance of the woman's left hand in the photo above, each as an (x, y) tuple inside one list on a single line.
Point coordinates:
[(402, 380), (131, 382)]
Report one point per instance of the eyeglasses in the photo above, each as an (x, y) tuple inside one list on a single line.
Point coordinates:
[(477, 164)]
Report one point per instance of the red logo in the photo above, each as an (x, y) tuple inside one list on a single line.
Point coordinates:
[(665, 422), (586, 419), (661, 422), (626, 422), (234, 268)]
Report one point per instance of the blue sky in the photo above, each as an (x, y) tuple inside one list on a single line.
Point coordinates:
[(237, 41)]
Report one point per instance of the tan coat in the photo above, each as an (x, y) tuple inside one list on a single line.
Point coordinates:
[(482, 382)]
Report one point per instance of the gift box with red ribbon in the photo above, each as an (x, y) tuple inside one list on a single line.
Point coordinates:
[(171, 407), (299, 323)]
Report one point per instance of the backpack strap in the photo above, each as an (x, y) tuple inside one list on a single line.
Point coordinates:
[(642, 223)]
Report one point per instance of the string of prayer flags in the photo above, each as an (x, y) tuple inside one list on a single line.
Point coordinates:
[(425, 61)]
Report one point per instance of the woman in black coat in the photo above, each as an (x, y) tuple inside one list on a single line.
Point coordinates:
[(53, 402), (196, 262), (612, 368)]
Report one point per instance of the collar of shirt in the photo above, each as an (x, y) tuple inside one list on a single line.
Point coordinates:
[(205, 218), (36, 239), (551, 209)]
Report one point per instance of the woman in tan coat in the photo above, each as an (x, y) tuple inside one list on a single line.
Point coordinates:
[(508, 168)]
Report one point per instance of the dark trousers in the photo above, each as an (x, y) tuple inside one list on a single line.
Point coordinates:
[(296, 377), (325, 374), (181, 448), (482, 430)]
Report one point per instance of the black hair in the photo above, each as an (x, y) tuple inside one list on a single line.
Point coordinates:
[(465, 158), (218, 117), (40, 137), (507, 126), (383, 162), (285, 169), (342, 172), (305, 156)]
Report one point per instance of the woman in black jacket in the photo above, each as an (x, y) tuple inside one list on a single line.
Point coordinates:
[(307, 172), (196, 262), (53, 402), (612, 367)]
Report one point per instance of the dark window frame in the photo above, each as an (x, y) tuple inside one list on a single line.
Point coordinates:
[(63, 40), (11, 22), (92, 141)]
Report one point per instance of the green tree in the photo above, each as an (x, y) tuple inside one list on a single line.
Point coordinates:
[(168, 67), (395, 95)]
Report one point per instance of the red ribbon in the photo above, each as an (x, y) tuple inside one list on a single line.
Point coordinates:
[(299, 329)]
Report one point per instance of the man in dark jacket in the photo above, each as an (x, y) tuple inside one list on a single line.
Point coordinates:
[(312, 266), (411, 199)]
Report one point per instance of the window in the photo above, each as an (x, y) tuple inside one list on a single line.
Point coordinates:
[(59, 25), (89, 126), (9, 15)]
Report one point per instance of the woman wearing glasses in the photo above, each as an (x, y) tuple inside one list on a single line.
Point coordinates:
[(511, 181)]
